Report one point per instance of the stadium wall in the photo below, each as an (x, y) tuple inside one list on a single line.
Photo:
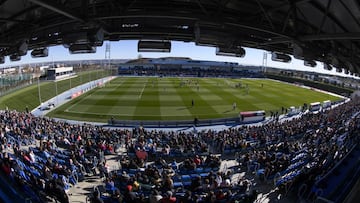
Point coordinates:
[(252, 117), (321, 86)]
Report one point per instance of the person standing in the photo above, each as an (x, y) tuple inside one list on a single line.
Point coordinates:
[(234, 106), (192, 103)]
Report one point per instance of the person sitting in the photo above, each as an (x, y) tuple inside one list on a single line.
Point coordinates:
[(168, 183), (96, 198), (117, 197), (130, 196), (168, 198), (197, 160), (196, 184), (109, 184), (155, 197), (32, 156)]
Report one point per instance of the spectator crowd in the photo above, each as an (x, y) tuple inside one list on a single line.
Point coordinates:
[(44, 158)]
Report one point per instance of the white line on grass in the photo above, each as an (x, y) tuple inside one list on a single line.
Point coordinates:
[(86, 96), (142, 91), (76, 103)]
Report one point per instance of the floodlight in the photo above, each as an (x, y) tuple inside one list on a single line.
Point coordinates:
[(154, 46), (40, 52), (22, 49), (279, 57), (15, 57), (234, 52), (310, 63), (97, 37), (81, 49), (327, 66)]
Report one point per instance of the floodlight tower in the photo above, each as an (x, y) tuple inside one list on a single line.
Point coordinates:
[(107, 54), (264, 61)]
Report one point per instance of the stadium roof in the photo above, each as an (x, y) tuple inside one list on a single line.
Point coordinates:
[(323, 30), (181, 61)]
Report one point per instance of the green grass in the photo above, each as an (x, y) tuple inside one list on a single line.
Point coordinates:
[(29, 96), (142, 98)]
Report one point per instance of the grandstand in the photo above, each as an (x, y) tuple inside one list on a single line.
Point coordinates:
[(292, 154), (310, 154), (171, 66), (59, 73)]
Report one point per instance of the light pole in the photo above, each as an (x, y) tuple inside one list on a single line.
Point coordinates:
[(39, 89), (81, 72), (264, 61), (56, 92), (107, 56)]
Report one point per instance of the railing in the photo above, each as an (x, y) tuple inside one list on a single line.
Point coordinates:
[(9, 194), (348, 178), (186, 123)]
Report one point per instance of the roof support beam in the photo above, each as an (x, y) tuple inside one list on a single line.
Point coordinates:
[(325, 16), (329, 15), (206, 21), (295, 17), (265, 14), (202, 8), (5, 44), (274, 9), (320, 37), (350, 12), (286, 20), (6, 20), (58, 8), (335, 36), (2, 2)]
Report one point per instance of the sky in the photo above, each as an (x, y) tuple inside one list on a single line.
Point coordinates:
[(127, 49)]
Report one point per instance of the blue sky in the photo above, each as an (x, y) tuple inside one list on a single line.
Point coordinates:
[(127, 49)]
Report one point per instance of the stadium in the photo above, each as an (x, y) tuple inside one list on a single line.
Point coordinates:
[(174, 128)]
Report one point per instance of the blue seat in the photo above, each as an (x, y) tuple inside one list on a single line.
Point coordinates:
[(24, 176), (227, 151), (215, 169), (132, 171), (176, 178), (60, 161), (20, 163), (178, 184), (61, 156), (186, 184), (110, 189), (199, 170), (35, 172), (185, 178), (55, 176), (38, 166), (207, 170), (73, 179), (204, 175)]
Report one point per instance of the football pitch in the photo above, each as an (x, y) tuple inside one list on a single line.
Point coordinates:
[(153, 98)]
